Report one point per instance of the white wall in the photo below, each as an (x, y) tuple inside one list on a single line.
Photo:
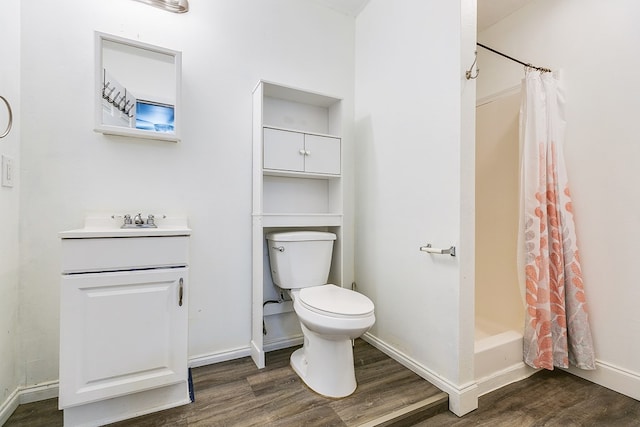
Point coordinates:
[(594, 43), (498, 298), (68, 170), (414, 185), (10, 363)]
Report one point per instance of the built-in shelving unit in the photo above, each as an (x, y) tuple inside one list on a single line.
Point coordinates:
[(297, 184)]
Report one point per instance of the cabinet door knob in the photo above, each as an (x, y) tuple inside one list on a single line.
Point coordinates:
[(302, 152), (307, 153)]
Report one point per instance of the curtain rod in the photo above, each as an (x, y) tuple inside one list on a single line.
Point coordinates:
[(541, 69)]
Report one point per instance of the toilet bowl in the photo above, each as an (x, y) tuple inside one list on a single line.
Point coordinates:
[(330, 316)]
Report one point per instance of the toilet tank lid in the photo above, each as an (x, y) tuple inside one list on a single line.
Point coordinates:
[(300, 236)]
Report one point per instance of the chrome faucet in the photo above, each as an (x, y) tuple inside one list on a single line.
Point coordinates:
[(138, 222)]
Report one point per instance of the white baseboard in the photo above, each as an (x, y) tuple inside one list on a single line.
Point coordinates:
[(8, 406), (22, 395), (612, 377), (39, 392), (511, 374), (237, 353), (223, 356), (257, 354), (283, 343), (462, 399)]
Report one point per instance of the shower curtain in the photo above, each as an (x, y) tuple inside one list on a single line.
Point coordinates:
[(557, 329)]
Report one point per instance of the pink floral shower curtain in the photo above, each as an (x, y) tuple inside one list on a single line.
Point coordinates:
[(557, 329)]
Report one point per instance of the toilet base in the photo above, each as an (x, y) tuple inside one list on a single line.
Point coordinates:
[(325, 365)]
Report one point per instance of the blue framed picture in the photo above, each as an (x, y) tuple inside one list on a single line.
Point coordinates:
[(154, 116)]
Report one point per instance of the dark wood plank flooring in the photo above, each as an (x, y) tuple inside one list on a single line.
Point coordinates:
[(235, 393), (551, 399)]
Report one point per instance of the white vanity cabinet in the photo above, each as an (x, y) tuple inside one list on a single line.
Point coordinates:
[(293, 151), (123, 323)]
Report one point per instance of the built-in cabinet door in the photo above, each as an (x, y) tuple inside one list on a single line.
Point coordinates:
[(300, 152), (283, 150), (322, 154), (121, 332)]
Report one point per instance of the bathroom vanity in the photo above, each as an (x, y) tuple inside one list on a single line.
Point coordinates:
[(123, 320)]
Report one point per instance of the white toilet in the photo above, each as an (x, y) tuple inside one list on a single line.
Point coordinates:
[(330, 316)]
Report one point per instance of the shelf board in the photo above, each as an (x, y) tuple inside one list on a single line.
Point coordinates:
[(136, 133), (301, 220), (328, 135), (283, 307), (294, 174), (276, 90)]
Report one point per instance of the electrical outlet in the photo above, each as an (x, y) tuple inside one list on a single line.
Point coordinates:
[(7, 171)]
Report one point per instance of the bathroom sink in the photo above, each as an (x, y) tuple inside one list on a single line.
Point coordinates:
[(99, 246), (102, 226)]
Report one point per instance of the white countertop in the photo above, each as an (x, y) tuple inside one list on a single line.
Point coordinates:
[(103, 226)]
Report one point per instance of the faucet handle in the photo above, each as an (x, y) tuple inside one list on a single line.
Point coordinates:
[(151, 220), (127, 219)]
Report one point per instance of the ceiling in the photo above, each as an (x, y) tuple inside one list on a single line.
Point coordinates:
[(348, 7), (492, 11), (489, 11)]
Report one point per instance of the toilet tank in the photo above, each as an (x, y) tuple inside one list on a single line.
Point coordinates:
[(300, 259)]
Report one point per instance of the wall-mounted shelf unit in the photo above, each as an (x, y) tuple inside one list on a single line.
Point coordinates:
[(297, 184), (137, 89)]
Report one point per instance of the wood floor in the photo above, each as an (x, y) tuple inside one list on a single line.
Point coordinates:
[(235, 393), (551, 399)]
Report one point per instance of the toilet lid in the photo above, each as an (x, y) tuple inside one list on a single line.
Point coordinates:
[(332, 299)]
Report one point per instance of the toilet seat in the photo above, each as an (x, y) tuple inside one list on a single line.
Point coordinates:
[(334, 301)]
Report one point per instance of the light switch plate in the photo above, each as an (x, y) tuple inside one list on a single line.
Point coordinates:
[(7, 171)]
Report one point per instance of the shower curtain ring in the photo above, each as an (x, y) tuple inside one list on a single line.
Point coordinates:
[(468, 73)]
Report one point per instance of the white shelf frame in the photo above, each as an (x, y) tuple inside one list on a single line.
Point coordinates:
[(331, 221)]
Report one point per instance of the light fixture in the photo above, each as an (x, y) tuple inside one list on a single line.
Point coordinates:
[(177, 6)]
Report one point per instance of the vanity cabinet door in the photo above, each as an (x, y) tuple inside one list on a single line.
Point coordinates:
[(121, 333)]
